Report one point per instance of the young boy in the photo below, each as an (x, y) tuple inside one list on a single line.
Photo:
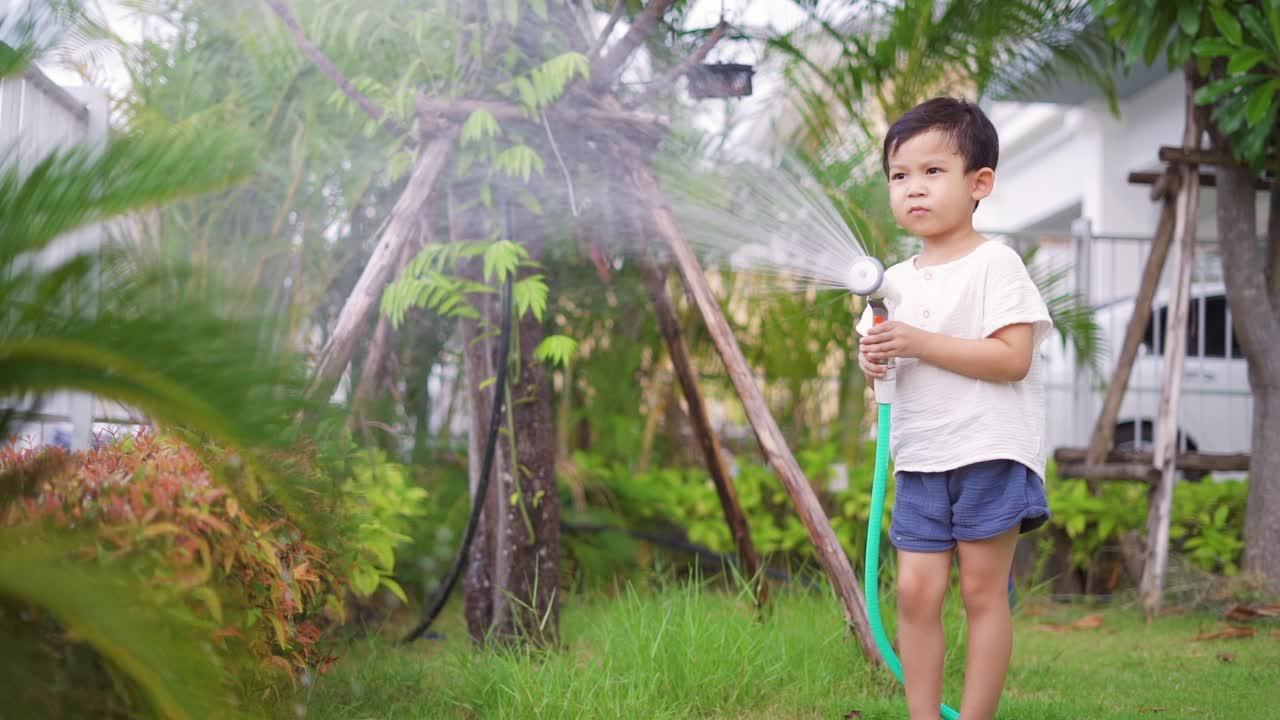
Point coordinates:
[(969, 415)]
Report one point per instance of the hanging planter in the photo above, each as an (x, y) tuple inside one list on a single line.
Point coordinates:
[(720, 80)]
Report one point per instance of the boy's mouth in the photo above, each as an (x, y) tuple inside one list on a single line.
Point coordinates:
[(916, 210)]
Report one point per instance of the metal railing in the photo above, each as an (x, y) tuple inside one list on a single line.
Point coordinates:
[(1216, 406)]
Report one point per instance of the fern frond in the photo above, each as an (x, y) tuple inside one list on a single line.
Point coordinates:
[(556, 350)]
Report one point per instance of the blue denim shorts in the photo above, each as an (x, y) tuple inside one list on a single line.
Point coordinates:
[(931, 511)]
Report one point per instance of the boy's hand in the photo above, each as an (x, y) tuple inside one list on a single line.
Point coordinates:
[(893, 340), (872, 369)]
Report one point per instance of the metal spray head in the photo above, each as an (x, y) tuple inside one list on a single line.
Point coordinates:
[(866, 275), (867, 278)]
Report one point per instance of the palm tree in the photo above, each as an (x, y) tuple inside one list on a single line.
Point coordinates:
[(114, 325), (856, 64)]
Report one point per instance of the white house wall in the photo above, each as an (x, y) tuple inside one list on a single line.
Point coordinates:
[(37, 117), (1067, 166)]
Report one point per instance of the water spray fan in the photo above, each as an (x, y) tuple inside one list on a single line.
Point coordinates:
[(867, 278)]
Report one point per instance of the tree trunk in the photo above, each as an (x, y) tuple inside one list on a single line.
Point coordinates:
[(1262, 515), (477, 583), (1256, 321), (478, 365), (830, 553), (527, 561), (365, 296), (511, 587)]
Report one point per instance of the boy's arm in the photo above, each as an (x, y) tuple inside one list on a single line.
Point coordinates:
[(1004, 356)]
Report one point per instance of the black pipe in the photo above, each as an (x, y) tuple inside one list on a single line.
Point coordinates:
[(431, 610)]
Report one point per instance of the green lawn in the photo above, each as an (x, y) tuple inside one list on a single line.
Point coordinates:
[(686, 652)]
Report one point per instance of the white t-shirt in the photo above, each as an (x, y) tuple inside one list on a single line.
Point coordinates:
[(943, 420)]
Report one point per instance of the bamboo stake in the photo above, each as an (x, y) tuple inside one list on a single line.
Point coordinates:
[(364, 297), (380, 348), (1175, 350), (772, 443), (1105, 428)]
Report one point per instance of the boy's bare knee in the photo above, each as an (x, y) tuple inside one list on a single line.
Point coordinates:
[(920, 595), (982, 594)]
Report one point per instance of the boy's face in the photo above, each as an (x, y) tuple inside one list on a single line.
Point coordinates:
[(930, 193)]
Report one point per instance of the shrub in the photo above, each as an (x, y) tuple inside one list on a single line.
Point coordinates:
[(1206, 522), (242, 573), (684, 498), (385, 505)]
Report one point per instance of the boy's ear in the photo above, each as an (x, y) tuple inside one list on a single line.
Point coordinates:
[(982, 182)]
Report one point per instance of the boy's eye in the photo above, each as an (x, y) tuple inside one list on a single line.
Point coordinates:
[(934, 170), (897, 176)]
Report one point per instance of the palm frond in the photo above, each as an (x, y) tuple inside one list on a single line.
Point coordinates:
[(80, 185), (876, 60), (61, 29), (1071, 314), (107, 326), (1079, 48), (162, 652)]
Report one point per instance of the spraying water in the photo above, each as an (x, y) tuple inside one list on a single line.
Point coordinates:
[(777, 221)]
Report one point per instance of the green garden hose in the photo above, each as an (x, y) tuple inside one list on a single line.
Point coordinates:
[(871, 576)]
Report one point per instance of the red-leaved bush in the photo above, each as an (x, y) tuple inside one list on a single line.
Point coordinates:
[(244, 572)]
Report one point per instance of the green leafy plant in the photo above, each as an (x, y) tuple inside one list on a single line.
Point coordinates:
[(684, 499), (1243, 37), (556, 350), (385, 504), (1206, 522), (543, 85)]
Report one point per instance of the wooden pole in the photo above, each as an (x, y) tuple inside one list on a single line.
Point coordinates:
[(669, 324), (367, 293), (1104, 429), (1195, 461), (380, 348), (772, 443), (1175, 351), (1208, 180), (603, 37)]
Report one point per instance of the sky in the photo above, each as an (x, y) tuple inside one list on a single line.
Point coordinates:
[(780, 14)]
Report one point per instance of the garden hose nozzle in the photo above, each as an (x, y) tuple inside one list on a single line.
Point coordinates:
[(867, 278)]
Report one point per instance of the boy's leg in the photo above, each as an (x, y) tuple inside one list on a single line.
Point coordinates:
[(922, 586), (984, 573)]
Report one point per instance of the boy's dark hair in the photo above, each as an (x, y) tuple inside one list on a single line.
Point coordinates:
[(974, 136)]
